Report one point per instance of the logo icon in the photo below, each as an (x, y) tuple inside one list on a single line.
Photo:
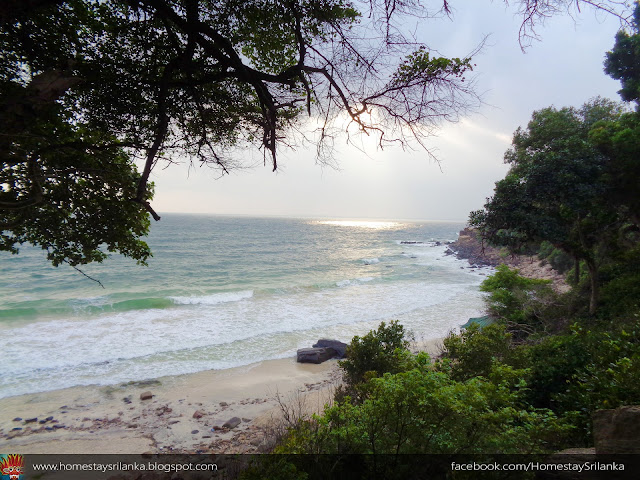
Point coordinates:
[(12, 466)]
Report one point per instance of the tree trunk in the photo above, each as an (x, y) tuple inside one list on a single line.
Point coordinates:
[(595, 288), (576, 270)]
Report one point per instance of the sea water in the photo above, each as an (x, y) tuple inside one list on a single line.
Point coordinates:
[(222, 292)]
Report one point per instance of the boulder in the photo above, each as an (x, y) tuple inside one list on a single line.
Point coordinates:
[(617, 431), (338, 346), (315, 355)]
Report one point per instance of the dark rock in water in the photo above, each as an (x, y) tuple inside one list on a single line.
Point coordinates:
[(232, 423), (315, 355), (338, 346)]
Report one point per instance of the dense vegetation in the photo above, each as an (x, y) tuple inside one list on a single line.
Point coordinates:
[(529, 382)]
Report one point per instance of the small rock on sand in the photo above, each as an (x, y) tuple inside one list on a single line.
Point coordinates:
[(232, 423), (146, 395), (198, 414)]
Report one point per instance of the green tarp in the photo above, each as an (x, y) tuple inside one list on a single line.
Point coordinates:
[(481, 321)]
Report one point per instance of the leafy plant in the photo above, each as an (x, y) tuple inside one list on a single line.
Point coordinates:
[(380, 351), (517, 300), (472, 352)]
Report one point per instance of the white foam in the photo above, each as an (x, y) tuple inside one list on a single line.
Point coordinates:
[(213, 299), (357, 281), (370, 261)]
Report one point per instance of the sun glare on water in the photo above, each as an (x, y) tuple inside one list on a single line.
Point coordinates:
[(374, 225)]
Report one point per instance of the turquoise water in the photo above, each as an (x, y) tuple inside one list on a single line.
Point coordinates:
[(223, 292)]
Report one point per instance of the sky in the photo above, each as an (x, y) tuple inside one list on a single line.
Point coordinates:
[(564, 68)]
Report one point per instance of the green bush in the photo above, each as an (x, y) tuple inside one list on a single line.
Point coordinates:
[(559, 260), (552, 364), (608, 379), (545, 249), (620, 293), (518, 301), (423, 411), (380, 351), (473, 352)]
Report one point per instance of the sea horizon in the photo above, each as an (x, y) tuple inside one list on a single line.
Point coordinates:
[(313, 217)]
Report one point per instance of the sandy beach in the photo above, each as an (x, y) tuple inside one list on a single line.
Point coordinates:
[(185, 413)]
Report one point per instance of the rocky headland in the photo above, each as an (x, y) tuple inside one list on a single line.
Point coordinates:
[(470, 247)]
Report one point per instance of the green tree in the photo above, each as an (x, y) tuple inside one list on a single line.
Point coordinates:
[(557, 188), (623, 61)]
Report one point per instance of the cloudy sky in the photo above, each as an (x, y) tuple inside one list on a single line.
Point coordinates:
[(563, 69)]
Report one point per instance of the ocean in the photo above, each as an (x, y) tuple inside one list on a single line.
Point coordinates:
[(222, 292)]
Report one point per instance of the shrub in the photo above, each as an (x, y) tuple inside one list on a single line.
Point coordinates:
[(423, 411), (620, 293), (557, 258), (380, 351), (473, 351), (517, 300), (552, 364), (608, 379)]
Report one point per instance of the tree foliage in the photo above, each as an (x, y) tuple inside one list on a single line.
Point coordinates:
[(559, 188), (623, 61), (380, 351)]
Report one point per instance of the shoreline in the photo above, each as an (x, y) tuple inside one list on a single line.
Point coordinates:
[(468, 247), (185, 413)]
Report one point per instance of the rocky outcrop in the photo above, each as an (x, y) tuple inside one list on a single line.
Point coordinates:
[(323, 350), (617, 431), (470, 247), (338, 346), (315, 355)]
